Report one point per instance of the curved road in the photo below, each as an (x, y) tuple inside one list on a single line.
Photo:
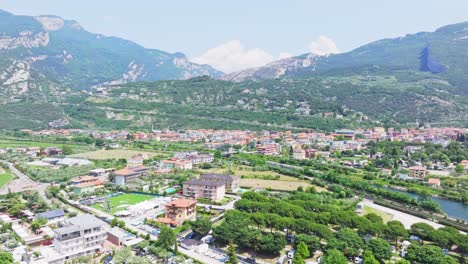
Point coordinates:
[(23, 183)]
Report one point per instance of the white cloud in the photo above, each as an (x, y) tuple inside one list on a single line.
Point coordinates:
[(323, 45), (284, 55), (234, 56)]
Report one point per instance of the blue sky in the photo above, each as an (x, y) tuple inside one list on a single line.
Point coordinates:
[(252, 32)]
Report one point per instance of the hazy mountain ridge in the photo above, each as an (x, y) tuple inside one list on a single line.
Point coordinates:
[(443, 52)]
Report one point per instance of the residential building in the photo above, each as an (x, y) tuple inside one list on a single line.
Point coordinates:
[(183, 155), (175, 163), (201, 158), (434, 182), (298, 152), (386, 172), (178, 211), (52, 151), (128, 175), (199, 188), (83, 179), (311, 153), (231, 182), (135, 161), (269, 149), (86, 184), (118, 237), (87, 187), (464, 163), (417, 172), (53, 216), (79, 236), (101, 173)]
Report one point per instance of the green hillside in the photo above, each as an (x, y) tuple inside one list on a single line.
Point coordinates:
[(398, 99)]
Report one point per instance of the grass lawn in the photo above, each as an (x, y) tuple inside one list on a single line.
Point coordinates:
[(385, 216), (112, 154), (5, 178), (121, 202), (277, 184)]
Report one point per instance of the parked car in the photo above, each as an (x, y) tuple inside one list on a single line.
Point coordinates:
[(108, 260)]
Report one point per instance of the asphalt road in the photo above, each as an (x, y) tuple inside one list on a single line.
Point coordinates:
[(406, 219), (23, 183)]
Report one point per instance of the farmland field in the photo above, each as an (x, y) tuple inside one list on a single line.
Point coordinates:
[(121, 202), (248, 171), (11, 143), (276, 184), (112, 154)]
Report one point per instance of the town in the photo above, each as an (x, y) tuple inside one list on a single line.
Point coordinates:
[(234, 196)]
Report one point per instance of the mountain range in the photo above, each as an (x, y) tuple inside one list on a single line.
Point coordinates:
[(54, 73), (443, 53), (54, 50)]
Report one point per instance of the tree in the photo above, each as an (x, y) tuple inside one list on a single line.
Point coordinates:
[(16, 206), (232, 254), (302, 250), (202, 226), (334, 256), (380, 249), (403, 261), (271, 243), (369, 258), (459, 169), (422, 230), (443, 238), (298, 259), (312, 242), (143, 244), (347, 241), (461, 240), (67, 150), (166, 238), (37, 223), (427, 255), (121, 256), (114, 222), (6, 257), (373, 217), (396, 230)]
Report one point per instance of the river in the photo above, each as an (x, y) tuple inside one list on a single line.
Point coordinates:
[(452, 208)]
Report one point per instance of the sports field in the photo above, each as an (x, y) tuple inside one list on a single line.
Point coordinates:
[(121, 202)]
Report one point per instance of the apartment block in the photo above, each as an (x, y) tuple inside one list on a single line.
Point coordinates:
[(199, 188), (79, 236), (231, 182), (178, 211)]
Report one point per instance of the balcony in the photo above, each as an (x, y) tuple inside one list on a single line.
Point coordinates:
[(68, 236)]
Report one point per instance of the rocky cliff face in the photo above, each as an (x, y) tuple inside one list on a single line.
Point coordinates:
[(61, 50)]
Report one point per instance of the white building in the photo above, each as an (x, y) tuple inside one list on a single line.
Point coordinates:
[(79, 236)]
